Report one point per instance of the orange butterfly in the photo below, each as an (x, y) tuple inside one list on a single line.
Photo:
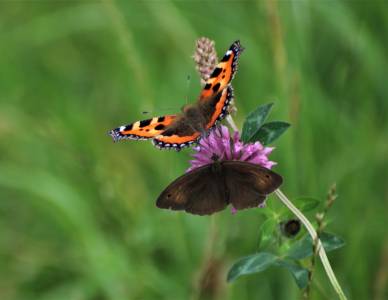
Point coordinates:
[(182, 130)]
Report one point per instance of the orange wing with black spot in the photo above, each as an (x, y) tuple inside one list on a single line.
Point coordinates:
[(142, 130), (223, 73), (218, 107), (183, 132)]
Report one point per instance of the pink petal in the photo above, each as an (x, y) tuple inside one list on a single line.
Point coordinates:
[(268, 150), (225, 146)]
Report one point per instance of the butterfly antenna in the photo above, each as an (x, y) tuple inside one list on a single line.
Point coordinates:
[(188, 81), (146, 112)]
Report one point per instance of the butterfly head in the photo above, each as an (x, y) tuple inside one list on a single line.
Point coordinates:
[(190, 109)]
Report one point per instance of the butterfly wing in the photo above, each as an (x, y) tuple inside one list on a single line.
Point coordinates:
[(218, 93), (215, 109), (178, 135), (248, 184), (184, 130), (223, 72), (200, 192), (179, 132), (212, 104), (143, 130)]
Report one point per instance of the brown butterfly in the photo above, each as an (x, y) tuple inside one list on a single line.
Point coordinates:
[(210, 188)]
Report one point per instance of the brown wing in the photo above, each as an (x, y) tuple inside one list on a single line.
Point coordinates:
[(145, 129), (248, 184), (223, 72), (200, 192)]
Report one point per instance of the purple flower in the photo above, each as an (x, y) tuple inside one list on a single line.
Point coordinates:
[(220, 145)]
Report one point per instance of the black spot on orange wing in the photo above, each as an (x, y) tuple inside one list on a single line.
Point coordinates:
[(215, 108), (223, 72), (216, 87), (168, 132), (177, 136), (142, 130), (159, 127), (226, 58), (217, 71), (145, 123), (216, 99), (207, 86)]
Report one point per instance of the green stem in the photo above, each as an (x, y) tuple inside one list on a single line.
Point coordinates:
[(314, 236), (310, 229)]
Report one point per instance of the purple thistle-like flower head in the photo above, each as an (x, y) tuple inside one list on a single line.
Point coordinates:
[(220, 145)]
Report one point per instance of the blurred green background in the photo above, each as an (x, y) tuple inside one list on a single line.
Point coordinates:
[(77, 212)]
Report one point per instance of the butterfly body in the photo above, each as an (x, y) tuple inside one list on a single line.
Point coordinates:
[(210, 188), (182, 130)]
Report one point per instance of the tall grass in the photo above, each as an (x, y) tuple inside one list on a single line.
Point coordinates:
[(77, 212)]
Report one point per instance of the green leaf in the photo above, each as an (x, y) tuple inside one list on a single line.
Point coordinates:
[(262, 261), (304, 247), (266, 232), (251, 264), (306, 204), (299, 273), (266, 211), (254, 121), (269, 132)]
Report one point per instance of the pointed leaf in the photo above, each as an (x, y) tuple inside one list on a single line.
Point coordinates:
[(269, 132), (331, 241), (266, 232), (254, 121), (299, 273), (251, 264), (304, 247), (262, 261), (306, 204)]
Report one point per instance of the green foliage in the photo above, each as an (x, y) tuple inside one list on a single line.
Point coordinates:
[(298, 250), (304, 247), (269, 132), (254, 121), (306, 204), (262, 261), (299, 273), (252, 264), (254, 128), (76, 205), (266, 232)]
